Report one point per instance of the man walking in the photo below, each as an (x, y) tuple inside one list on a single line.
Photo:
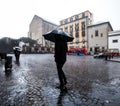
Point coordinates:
[(17, 55), (60, 59)]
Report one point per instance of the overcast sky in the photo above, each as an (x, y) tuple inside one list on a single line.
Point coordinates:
[(16, 15)]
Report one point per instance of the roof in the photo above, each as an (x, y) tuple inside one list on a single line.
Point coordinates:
[(75, 15), (114, 33), (35, 16), (100, 23)]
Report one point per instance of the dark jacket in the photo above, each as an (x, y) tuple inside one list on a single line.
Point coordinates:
[(60, 51), (16, 52)]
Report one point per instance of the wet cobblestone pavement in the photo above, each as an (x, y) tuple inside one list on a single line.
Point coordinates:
[(91, 82)]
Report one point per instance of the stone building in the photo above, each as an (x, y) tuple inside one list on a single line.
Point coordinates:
[(37, 28), (114, 40), (76, 25), (98, 36)]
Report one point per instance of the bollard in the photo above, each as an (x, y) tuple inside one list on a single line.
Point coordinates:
[(8, 63)]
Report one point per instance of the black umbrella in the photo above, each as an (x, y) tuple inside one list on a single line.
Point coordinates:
[(54, 33), (5, 45)]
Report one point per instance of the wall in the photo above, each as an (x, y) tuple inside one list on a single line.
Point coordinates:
[(37, 28), (98, 41), (112, 45), (82, 17)]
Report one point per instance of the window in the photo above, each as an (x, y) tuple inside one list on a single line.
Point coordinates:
[(76, 17), (83, 41), (77, 40), (61, 22), (77, 34), (90, 49), (66, 29), (103, 49), (96, 49), (83, 25), (61, 29), (101, 34), (91, 36), (83, 33), (96, 33), (77, 30), (71, 19), (83, 15), (71, 29), (66, 21), (83, 46), (115, 41), (76, 27)]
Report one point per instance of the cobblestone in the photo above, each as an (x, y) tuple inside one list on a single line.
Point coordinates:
[(91, 82)]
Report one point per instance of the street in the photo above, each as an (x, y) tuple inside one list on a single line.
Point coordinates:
[(91, 82)]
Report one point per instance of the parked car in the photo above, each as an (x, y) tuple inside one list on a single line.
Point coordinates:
[(99, 55)]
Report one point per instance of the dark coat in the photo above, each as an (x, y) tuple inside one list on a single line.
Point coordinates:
[(16, 52), (60, 51)]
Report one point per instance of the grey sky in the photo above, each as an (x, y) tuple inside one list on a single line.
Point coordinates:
[(16, 15)]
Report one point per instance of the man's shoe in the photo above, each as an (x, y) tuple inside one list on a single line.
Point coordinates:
[(59, 87), (65, 82), (63, 89)]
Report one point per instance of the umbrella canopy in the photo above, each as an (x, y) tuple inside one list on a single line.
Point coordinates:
[(5, 45), (54, 33), (17, 48)]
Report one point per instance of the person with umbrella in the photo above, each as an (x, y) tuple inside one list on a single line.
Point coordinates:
[(60, 38), (17, 52), (60, 59)]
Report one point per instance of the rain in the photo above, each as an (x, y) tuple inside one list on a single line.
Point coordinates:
[(91, 82)]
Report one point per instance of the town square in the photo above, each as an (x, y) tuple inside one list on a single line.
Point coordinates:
[(91, 82), (59, 53)]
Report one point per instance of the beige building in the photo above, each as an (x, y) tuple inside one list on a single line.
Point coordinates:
[(98, 37), (38, 27), (76, 25)]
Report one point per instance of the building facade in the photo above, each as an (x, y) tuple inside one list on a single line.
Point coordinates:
[(114, 40), (76, 25), (98, 37), (37, 28)]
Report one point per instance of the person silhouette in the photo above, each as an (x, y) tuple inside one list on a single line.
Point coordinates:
[(60, 59), (17, 55)]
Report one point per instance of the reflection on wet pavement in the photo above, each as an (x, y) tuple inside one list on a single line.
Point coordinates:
[(32, 82)]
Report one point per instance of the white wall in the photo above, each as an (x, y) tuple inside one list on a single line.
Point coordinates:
[(98, 41), (112, 45)]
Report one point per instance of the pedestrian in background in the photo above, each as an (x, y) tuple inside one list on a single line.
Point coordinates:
[(17, 54), (106, 55), (60, 59)]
